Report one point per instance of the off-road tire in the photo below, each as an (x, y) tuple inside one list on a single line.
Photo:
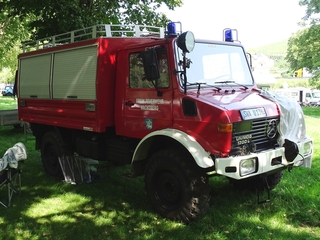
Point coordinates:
[(51, 150), (255, 182), (175, 187)]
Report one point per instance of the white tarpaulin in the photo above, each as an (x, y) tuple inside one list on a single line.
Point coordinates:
[(292, 125)]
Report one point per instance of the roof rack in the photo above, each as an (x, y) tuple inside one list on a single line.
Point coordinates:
[(100, 30)]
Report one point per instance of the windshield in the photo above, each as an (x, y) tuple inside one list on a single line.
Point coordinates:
[(316, 94), (216, 64)]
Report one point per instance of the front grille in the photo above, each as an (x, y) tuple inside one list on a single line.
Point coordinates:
[(254, 136)]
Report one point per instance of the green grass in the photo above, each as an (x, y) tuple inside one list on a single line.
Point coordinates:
[(7, 103), (116, 207), (312, 111)]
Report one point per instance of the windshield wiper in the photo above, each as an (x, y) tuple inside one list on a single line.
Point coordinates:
[(226, 82), (199, 85)]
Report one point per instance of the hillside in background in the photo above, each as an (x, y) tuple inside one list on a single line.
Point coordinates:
[(277, 52), (280, 70), (278, 48)]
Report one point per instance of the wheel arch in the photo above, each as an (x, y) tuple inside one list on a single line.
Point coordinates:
[(39, 130), (166, 138)]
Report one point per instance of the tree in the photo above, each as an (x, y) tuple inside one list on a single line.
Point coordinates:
[(12, 31), (21, 20), (313, 7), (55, 17), (304, 46)]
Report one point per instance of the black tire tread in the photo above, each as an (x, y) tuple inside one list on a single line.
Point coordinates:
[(52, 138), (197, 190)]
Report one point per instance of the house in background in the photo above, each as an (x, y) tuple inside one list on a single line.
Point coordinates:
[(261, 66)]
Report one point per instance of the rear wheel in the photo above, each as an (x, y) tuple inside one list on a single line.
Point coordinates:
[(51, 150), (175, 186)]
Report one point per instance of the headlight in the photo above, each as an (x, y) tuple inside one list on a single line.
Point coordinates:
[(307, 148), (248, 166)]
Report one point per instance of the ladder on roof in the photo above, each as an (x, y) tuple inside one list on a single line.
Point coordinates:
[(100, 30)]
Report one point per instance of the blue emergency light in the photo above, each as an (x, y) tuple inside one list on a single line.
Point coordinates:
[(172, 29), (228, 35)]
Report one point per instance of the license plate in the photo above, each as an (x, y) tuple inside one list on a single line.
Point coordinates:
[(253, 113)]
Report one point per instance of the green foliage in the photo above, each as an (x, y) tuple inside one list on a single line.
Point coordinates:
[(55, 17), (313, 8), (21, 20), (303, 51), (13, 30), (6, 76), (304, 46)]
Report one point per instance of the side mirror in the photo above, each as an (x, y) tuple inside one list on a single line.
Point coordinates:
[(150, 65)]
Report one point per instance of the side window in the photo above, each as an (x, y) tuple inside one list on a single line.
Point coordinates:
[(137, 76)]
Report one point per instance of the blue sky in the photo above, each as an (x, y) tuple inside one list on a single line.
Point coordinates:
[(258, 22)]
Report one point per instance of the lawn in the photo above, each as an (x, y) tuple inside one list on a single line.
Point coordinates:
[(7, 103), (116, 207)]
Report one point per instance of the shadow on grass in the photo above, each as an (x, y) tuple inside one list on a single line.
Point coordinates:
[(116, 207)]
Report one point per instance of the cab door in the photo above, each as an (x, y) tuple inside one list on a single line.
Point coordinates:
[(147, 104)]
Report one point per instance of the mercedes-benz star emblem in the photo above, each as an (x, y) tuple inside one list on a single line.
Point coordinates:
[(272, 129)]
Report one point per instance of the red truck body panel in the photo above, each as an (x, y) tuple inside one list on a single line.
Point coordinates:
[(131, 120), (215, 108), (91, 115)]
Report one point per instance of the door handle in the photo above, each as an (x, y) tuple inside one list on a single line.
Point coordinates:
[(129, 103)]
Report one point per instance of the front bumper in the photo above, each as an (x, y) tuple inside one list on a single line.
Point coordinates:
[(266, 161)]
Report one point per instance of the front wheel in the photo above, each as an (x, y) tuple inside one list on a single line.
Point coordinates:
[(175, 186)]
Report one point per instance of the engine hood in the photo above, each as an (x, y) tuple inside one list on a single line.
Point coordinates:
[(233, 100)]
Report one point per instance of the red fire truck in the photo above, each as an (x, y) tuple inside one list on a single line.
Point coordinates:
[(179, 110)]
